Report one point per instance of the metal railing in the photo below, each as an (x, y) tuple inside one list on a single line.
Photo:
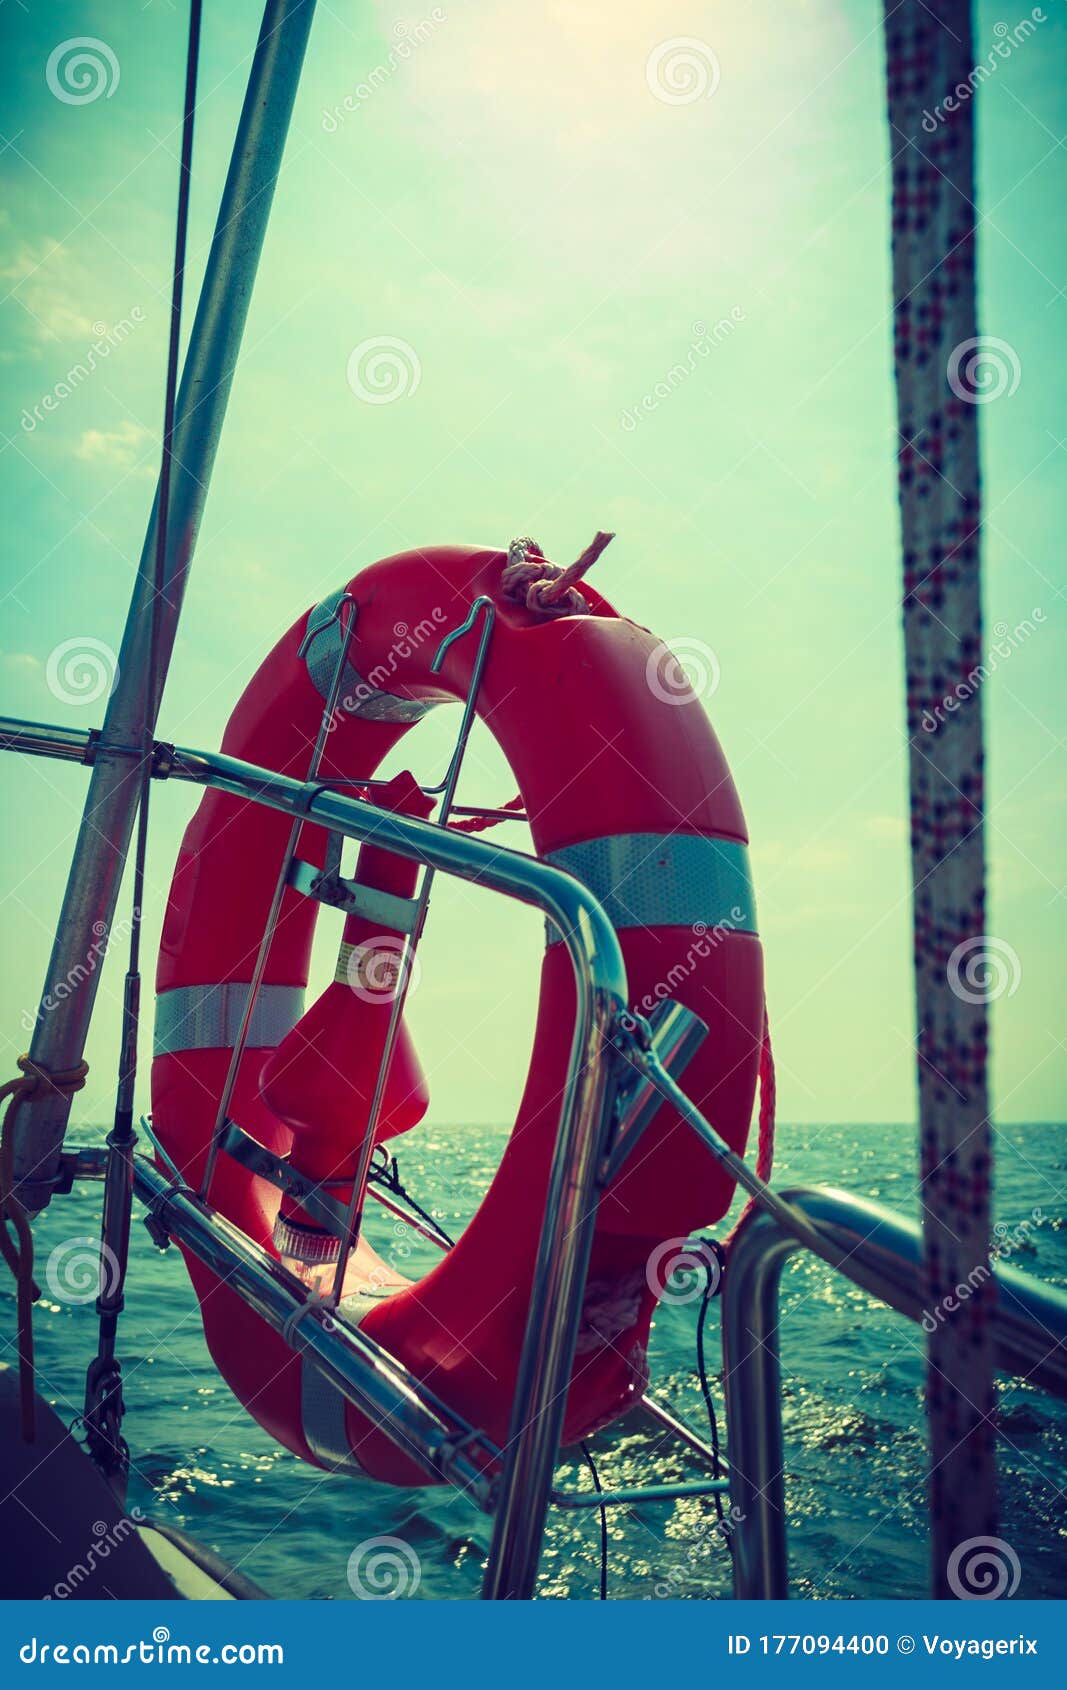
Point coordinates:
[(865, 1242), (882, 1252), (374, 1382), (868, 1244), (571, 1205), (405, 1412)]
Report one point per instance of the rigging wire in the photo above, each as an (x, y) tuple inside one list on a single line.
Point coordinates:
[(181, 229), (387, 1175), (591, 1464), (103, 1397)]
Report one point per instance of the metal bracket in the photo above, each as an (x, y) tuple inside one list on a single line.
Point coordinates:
[(324, 1210), (331, 862), (154, 1223), (163, 756), (383, 908), (76, 1164), (156, 1230), (675, 1034)]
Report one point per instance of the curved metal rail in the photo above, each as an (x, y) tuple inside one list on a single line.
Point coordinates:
[(585, 1114), (580, 1156), (882, 1252), (374, 1382)]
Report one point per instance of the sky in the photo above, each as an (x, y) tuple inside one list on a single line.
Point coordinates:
[(550, 213)]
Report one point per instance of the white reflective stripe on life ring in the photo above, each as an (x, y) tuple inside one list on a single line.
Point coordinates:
[(358, 697), (209, 1017), (665, 880)]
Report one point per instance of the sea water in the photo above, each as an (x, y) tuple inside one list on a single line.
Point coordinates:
[(853, 1417)]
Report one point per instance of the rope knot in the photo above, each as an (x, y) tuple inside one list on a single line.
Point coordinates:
[(17, 1251), (544, 587), (63, 1081)]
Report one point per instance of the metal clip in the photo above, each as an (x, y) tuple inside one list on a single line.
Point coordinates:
[(154, 1223), (314, 629), (675, 1035), (324, 1210), (383, 908)]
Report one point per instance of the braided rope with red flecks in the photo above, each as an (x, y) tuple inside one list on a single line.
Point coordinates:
[(928, 53), (480, 824)]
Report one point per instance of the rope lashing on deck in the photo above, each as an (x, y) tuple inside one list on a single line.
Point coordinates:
[(938, 353), (17, 1251), (544, 587)]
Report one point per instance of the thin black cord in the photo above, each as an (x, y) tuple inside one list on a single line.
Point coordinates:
[(388, 1176), (591, 1464), (711, 1282), (103, 1398), (181, 229)]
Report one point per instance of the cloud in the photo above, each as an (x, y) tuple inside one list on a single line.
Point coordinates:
[(50, 294), (121, 447)]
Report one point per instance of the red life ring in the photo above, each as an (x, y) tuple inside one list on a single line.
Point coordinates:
[(626, 787)]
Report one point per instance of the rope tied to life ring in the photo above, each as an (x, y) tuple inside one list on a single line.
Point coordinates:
[(17, 1250), (544, 587)]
